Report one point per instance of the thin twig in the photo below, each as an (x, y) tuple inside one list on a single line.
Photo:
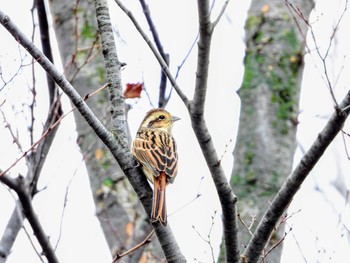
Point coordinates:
[(32, 117), (144, 242), (161, 61), (162, 87), (344, 141), (45, 133), (249, 228), (89, 57), (32, 244), (324, 57), (294, 181), (225, 151), (279, 242), (64, 209), (115, 140), (12, 133), (28, 210), (15, 74), (222, 12), (196, 111), (208, 241)]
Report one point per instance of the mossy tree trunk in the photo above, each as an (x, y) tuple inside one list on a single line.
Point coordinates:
[(269, 97)]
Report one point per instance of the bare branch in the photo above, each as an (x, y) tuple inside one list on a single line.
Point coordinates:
[(113, 69), (196, 110), (205, 34), (278, 243), (222, 12), (322, 57), (46, 46), (28, 210), (89, 56), (144, 242), (12, 228), (13, 134), (208, 239), (123, 156), (12, 77), (294, 181), (162, 101), (47, 132), (57, 76), (249, 228), (117, 147), (33, 246), (9, 181), (64, 209), (161, 61)]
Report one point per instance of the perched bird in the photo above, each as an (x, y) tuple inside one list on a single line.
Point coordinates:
[(155, 149)]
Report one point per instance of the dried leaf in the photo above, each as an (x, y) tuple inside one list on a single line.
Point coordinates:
[(133, 90)]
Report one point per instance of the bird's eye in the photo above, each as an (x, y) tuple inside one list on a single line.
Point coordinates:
[(161, 117)]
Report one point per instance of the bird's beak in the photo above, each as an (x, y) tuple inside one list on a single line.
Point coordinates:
[(173, 118)]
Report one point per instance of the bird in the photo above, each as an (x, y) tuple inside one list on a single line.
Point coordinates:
[(155, 149)]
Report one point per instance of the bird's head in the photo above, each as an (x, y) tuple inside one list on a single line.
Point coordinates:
[(159, 119)]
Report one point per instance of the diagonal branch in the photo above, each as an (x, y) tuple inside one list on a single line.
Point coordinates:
[(161, 61), (117, 148), (294, 181), (123, 156), (196, 111), (26, 201), (37, 158), (22, 190), (162, 101), (59, 78)]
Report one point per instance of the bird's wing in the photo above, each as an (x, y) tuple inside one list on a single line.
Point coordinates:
[(157, 152)]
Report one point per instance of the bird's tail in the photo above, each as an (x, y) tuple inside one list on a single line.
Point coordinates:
[(159, 205)]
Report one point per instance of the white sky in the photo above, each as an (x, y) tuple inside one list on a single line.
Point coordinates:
[(80, 225)]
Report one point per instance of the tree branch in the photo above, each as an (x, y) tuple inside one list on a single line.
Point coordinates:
[(171, 250), (12, 228), (196, 110), (294, 181), (112, 67), (117, 148), (131, 250), (28, 210), (223, 188), (46, 46), (37, 159), (205, 34), (162, 101), (25, 198), (161, 61), (59, 78)]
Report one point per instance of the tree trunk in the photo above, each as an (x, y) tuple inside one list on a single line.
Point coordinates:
[(76, 32), (269, 96)]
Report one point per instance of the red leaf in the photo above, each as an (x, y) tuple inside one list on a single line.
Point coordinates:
[(133, 90)]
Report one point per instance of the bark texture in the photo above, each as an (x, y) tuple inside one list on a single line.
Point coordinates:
[(269, 94), (127, 163), (117, 207)]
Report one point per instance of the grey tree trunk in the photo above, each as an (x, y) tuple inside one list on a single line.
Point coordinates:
[(269, 97), (121, 217)]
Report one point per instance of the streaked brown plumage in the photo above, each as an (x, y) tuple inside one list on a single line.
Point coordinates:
[(155, 149)]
